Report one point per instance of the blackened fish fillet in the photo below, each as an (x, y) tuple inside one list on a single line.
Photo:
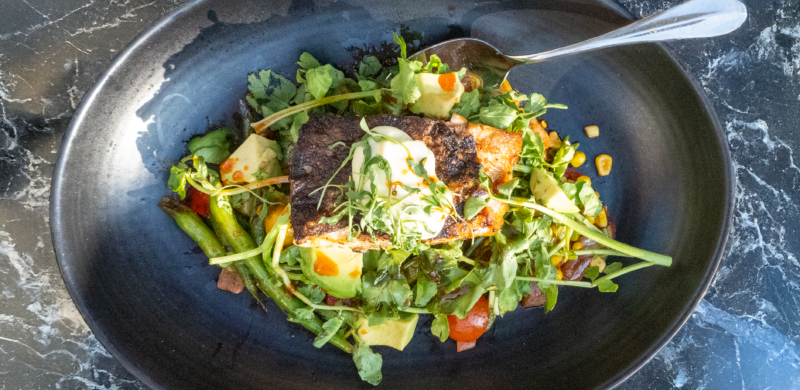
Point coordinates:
[(314, 162)]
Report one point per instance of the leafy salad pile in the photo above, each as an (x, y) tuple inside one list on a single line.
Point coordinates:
[(244, 227)]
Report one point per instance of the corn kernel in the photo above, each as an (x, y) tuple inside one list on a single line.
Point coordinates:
[(602, 220), (558, 231), (603, 163), (579, 159), (577, 246), (590, 218), (555, 141), (598, 262), (544, 123), (559, 274), (584, 178), (592, 131), (556, 259), (505, 87)]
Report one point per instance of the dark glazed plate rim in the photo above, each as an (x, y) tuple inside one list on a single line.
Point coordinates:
[(63, 258)]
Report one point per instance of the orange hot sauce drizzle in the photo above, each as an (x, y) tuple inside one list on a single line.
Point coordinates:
[(447, 81), (227, 166), (238, 176), (325, 266)]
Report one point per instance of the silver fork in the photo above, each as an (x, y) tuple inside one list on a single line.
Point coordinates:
[(693, 19)]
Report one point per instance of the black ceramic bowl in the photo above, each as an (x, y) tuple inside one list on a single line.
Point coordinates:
[(148, 294)]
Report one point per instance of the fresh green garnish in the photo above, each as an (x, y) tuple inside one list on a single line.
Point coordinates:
[(413, 277)]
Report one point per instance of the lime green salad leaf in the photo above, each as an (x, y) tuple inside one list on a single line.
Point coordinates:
[(469, 104), (368, 364), (369, 67), (401, 43), (214, 147), (440, 327), (329, 328), (473, 206), (414, 277)]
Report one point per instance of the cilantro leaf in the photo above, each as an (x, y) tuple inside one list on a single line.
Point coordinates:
[(329, 329), (509, 298), (538, 105), (532, 154), (207, 178), (563, 156), (268, 85), (337, 76), (592, 272), (400, 42), (301, 315), (297, 122), (473, 206), (592, 206), (552, 296), (508, 187), (362, 108), (440, 327), (472, 287), (318, 81), (546, 270), (214, 147), (603, 284), (367, 85), (613, 267), (308, 61), (469, 104), (368, 363), (498, 115), (506, 270), (289, 255), (434, 62), (606, 285), (313, 293), (177, 179), (404, 84), (425, 290), (369, 67)]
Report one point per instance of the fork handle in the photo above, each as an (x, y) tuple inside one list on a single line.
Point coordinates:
[(693, 19)]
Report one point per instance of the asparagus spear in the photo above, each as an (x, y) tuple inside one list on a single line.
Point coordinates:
[(241, 241), (191, 223), (210, 242)]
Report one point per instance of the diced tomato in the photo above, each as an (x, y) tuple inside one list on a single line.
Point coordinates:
[(464, 346), (230, 281), (330, 300), (536, 298), (572, 174), (198, 201), (473, 326)]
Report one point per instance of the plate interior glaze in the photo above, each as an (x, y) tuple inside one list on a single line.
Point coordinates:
[(145, 288)]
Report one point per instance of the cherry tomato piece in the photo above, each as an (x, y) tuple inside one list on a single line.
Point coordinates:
[(461, 347), (572, 174), (199, 201), (473, 326)]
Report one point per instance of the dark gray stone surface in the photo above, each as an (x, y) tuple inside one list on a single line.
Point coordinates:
[(744, 334)]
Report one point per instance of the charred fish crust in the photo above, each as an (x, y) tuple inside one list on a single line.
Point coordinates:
[(314, 163), (456, 153)]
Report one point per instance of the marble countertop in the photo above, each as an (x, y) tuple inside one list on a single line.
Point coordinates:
[(745, 333)]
